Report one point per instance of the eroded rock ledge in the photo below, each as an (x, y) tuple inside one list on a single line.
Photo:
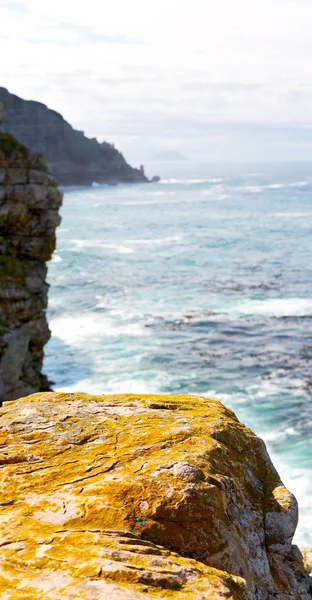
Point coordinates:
[(29, 204), (129, 497)]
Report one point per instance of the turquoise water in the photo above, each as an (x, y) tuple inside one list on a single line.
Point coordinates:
[(201, 284)]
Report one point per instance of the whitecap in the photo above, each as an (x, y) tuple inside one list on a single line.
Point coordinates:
[(119, 248), (275, 186), (161, 193), (299, 184), (189, 181), (110, 384), (276, 307), (215, 193), (56, 258), (253, 189), (292, 184), (75, 330), (155, 241), (293, 214)]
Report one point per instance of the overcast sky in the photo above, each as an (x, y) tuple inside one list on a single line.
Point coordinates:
[(215, 79)]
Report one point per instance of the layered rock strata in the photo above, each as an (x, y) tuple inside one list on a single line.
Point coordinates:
[(29, 205), (129, 497), (71, 157)]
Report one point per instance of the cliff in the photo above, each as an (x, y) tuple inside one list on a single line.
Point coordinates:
[(29, 204), (71, 157), (129, 497)]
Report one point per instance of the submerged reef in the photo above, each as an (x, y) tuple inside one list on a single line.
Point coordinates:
[(141, 496), (29, 205)]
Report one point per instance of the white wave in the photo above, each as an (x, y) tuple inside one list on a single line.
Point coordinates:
[(189, 181), (299, 184), (215, 193), (292, 184), (161, 193), (119, 248), (56, 258), (278, 384), (109, 384), (253, 189), (293, 214), (256, 189), (75, 330), (155, 241), (277, 307), (275, 186)]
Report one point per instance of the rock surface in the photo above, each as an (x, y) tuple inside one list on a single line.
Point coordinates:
[(71, 157), (29, 204), (307, 559), (129, 497)]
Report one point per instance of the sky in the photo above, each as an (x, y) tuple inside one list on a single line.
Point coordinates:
[(214, 79)]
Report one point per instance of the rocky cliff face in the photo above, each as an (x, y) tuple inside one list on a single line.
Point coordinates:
[(70, 156), (129, 497), (29, 204), (2, 110)]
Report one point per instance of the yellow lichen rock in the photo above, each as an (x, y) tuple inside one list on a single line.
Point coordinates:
[(131, 496), (307, 559)]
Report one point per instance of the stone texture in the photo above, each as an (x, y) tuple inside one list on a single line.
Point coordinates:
[(71, 157), (29, 205), (307, 559), (132, 496)]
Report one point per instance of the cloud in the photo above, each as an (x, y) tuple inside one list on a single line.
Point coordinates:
[(167, 72)]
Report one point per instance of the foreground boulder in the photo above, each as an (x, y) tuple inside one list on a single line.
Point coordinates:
[(29, 205), (129, 497)]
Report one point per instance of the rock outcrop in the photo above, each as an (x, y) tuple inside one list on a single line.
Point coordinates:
[(72, 158), (29, 204), (129, 497), (307, 559)]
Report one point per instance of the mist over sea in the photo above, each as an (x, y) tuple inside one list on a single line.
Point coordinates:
[(198, 284)]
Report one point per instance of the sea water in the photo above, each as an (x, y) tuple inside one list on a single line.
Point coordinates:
[(198, 284)]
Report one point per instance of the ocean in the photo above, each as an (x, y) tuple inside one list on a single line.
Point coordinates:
[(198, 284)]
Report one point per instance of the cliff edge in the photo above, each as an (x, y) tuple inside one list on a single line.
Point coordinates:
[(129, 497), (29, 205), (71, 157)]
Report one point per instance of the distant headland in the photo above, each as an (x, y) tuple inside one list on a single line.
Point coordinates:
[(71, 157), (168, 155)]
